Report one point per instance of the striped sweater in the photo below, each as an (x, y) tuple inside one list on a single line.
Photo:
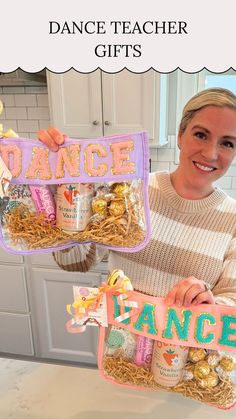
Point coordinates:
[(189, 238)]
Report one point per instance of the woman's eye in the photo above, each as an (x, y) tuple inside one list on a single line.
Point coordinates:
[(228, 144), (201, 135)]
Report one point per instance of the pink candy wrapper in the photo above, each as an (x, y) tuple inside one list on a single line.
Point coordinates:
[(143, 352), (44, 201)]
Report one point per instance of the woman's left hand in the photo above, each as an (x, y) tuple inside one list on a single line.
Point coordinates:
[(52, 138), (189, 291)]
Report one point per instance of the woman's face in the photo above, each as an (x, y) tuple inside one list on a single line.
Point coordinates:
[(207, 147)]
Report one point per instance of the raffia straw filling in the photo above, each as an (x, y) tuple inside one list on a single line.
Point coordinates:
[(31, 229), (125, 372)]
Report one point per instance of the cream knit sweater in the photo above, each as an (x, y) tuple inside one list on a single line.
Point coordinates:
[(189, 238)]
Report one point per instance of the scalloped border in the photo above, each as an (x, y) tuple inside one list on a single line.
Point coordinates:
[(118, 71)]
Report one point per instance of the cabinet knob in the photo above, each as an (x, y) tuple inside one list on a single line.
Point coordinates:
[(95, 122), (107, 123)]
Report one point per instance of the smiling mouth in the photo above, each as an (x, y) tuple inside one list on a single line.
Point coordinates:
[(203, 167)]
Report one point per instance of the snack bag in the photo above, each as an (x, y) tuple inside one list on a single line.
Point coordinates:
[(90, 191), (147, 345)]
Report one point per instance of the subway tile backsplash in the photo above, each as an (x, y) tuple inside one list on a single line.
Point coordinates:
[(26, 110)]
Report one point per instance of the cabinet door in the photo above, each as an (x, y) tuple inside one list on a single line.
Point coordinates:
[(13, 292), (52, 291), (135, 102), (97, 104), (75, 103), (15, 334), (15, 319), (9, 258), (128, 99)]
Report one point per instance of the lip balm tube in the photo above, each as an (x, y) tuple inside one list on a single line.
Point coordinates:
[(44, 201)]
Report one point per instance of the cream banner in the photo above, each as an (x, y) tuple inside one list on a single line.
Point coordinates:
[(115, 35)]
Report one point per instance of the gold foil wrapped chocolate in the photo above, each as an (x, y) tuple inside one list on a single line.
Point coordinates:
[(117, 208), (188, 375), (196, 354), (99, 206), (201, 369), (102, 191), (227, 363), (213, 360), (121, 189), (210, 381)]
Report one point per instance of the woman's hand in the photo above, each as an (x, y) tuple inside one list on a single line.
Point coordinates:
[(189, 291), (52, 138)]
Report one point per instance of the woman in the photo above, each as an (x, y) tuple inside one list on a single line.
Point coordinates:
[(191, 258)]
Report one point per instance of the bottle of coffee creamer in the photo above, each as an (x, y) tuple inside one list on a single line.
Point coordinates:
[(74, 206), (168, 362)]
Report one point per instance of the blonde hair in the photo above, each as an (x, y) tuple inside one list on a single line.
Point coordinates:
[(209, 97)]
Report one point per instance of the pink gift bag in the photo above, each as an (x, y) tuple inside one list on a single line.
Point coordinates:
[(191, 352), (146, 345)]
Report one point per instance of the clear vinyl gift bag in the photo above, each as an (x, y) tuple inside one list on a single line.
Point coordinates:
[(90, 191), (146, 345), (191, 352)]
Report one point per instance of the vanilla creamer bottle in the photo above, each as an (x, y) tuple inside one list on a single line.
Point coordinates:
[(168, 363), (74, 207)]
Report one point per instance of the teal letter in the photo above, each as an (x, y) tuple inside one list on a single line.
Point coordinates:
[(182, 330), (146, 317), (227, 330), (200, 327), (117, 312)]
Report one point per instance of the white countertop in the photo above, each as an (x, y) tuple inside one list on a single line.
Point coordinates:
[(33, 390)]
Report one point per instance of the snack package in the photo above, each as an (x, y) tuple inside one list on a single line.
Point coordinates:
[(90, 191), (144, 344)]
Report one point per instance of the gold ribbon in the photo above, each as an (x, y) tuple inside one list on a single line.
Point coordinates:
[(117, 284), (9, 133)]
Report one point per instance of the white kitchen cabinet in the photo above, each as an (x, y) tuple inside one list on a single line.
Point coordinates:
[(75, 103), (15, 334), (34, 293), (97, 104), (15, 317), (52, 290), (13, 292), (10, 258)]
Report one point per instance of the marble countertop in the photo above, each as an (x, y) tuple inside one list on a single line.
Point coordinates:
[(33, 390)]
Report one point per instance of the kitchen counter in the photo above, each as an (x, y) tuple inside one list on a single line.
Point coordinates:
[(32, 390)]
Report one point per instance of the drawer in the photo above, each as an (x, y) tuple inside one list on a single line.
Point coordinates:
[(47, 260), (15, 334), (9, 258), (88, 279), (13, 294), (44, 259)]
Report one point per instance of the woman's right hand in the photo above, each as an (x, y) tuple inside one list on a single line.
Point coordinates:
[(52, 138)]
